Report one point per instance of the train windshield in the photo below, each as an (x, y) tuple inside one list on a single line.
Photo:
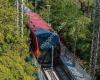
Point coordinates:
[(47, 40)]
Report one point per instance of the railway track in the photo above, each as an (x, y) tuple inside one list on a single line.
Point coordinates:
[(62, 72), (59, 72), (50, 74)]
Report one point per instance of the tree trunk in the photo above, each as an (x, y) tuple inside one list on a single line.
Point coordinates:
[(95, 49)]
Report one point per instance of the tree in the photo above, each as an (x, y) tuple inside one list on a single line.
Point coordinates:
[(13, 49)]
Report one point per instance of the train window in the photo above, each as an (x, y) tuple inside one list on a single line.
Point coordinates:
[(32, 42), (31, 45)]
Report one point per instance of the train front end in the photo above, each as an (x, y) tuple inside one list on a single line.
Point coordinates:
[(49, 47)]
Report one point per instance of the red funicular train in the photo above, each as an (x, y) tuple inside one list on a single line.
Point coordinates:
[(44, 41)]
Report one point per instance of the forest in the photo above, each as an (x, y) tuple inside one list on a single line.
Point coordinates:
[(71, 19), (13, 49)]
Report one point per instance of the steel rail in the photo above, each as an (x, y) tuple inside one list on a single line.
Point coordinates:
[(63, 72)]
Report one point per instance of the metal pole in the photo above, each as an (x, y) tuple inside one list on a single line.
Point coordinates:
[(22, 26), (49, 7), (35, 6), (17, 4), (75, 45), (52, 57)]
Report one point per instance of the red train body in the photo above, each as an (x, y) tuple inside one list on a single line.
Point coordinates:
[(35, 21)]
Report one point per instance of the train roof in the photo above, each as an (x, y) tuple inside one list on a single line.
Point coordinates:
[(36, 21)]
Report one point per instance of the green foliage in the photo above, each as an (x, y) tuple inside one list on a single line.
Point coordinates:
[(13, 49), (13, 67)]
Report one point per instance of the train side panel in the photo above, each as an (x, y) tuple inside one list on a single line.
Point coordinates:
[(34, 45)]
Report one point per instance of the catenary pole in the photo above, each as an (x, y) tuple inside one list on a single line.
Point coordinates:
[(17, 5), (22, 19), (52, 57)]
